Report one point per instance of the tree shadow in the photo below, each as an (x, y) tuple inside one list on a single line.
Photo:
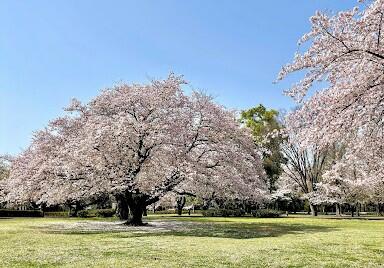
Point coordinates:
[(241, 231), (217, 229)]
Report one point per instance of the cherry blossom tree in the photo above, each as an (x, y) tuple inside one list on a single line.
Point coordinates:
[(354, 180), (40, 175), (340, 185), (139, 142), (345, 53)]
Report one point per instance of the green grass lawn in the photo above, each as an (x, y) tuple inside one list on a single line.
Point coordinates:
[(192, 242)]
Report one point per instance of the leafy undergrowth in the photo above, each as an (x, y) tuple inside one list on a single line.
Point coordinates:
[(192, 242)]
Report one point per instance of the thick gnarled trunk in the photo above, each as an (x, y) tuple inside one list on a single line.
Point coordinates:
[(137, 204), (132, 206), (180, 202), (122, 210)]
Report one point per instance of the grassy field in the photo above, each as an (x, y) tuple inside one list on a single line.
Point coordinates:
[(192, 242)]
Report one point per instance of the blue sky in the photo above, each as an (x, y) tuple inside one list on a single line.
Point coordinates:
[(51, 51)]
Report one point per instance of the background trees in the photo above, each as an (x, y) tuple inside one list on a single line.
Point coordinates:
[(4, 167), (304, 169), (265, 126)]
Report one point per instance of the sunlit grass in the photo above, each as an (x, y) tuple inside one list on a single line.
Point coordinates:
[(194, 242)]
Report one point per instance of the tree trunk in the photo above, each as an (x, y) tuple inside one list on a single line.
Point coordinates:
[(381, 209), (180, 202), (378, 209), (338, 213), (137, 205), (70, 211), (122, 210), (42, 208), (358, 210), (313, 209), (136, 215), (74, 208)]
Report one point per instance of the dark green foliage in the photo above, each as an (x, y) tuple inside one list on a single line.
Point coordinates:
[(75, 207), (266, 213), (20, 213), (56, 214), (83, 214), (223, 213), (102, 213), (105, 213), (161, 212), (102, 201), (172, 211), (261, 121)]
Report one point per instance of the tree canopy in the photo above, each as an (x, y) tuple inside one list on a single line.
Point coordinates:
[(346, 51), (139, 142)]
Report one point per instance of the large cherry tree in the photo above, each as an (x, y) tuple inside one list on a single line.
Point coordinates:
[(139, 142), (345, 54)]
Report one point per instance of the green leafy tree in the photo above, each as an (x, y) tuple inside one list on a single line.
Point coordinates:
[(264, 123)]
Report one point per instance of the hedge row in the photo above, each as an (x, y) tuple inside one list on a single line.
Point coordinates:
[(56, 214), (266, 213), (20, 213), (261, 213), (223, 213), (102, 213), (170, 211)]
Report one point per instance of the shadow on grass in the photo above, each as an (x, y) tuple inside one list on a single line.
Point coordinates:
[(243, 231), (215, 229)]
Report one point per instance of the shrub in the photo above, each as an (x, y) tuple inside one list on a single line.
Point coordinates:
[(83, 213), (57, 214), (209, 213), (223, 213), (20, 213), (266, 213), (105, 213), (238, 212), (161, 212)]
